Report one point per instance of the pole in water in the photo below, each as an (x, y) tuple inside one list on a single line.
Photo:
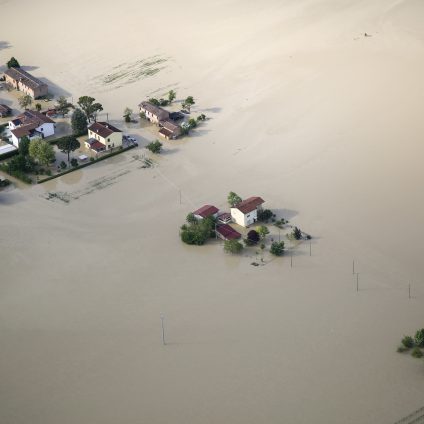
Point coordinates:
[(357, 281), (409, 290), (310, 248), (291, 259), (162, 317), (180, 195), (353, 267)]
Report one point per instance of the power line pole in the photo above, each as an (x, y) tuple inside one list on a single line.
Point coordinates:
[(353, 267), (357, 282), (310, 248), (409, 290), (291, 258), (162, 317)]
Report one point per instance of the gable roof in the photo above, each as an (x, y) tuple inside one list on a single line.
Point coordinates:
[(161, 114), (5, 109), (228, 232), (18, 74), (24, 130), (35, 116), (205, 211), (170, 126), (104, 129), (249, 204)]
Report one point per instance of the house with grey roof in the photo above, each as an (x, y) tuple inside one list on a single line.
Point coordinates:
[(23, 81)]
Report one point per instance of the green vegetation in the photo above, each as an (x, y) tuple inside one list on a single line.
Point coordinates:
[(296, 233), (192, 123), (79, 122), (171, 96), (277, 248), (68, 144), (233, 246), (24, 146), (252, 238), (4, 183), (25, 101), (201, 117), (13, 63), (154, 101), (191, 219), (262, 231), (74, 162), (127, 114), (197, 233), (89, 107), (416, 352), (63, 165), (38, 107), (41, 151), (233, 198), (188, 103), (155, 146), (18, 167), (408, 342), (63, 106), (265, 215), (419, 338)]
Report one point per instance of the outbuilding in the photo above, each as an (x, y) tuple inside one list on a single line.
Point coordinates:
[(246, 212)]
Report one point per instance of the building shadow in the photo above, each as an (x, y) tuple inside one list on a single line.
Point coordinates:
[(55, 89), (211, 110), (5, 45), (287, 214)]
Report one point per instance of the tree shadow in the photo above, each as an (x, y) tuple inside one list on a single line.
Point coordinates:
[(30, 68), (287, 214), (5, 45), (198, 133), (211, 109), (168, 152)]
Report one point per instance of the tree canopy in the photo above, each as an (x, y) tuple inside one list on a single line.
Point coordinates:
[(233, 198), (25, 101), (68, 144), (232, 246), (42, 151), (24, 146), (155, 146), (13, 63), (63, 106), (277, 248), (79, 122), (171, 95), (89, 107), (262, 231), (188, 102)]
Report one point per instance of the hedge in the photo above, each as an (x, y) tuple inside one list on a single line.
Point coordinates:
[(117, 152)]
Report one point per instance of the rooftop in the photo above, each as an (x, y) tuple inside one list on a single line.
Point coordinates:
[(19, 74), (205, 211), (104, 129), (228, 232), (155, 110), (249, 204)]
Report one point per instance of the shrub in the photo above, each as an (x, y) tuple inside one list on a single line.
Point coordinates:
[(155, 146), (192, 123), (253, 237), (191, 219), (49, 172), (4, 183), (154, 101), (91, 159), (74, 162), (277, 248), (264, 215), (262, 231), (419, 338), (416, 352), (13, 63), (201, 117), (232, 246), (63, 165), (408, 342), (402, 349), (233, 198)]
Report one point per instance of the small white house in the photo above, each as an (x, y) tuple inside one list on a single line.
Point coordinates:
[(246, 212), (31, 124)]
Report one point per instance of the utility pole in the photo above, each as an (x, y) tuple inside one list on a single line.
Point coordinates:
[(409, 290), (310, 248), (291, 258), (353, 267), (162, 317), (357, 282), (107, 117)]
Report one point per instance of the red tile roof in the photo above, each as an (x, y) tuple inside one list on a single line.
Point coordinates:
[(227, 232), (249, 204), (205, 211), (104, 129)]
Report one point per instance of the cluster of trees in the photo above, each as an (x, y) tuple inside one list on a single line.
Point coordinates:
[(192, 123), (197, 232), (233, 246), (90, 107), (415, 343), (164, 102), (155, 146), (41, 151)]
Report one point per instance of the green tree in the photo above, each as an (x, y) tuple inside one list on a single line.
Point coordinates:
[(197, 233), (68, 144), (253, 237), (89, 107), (297, 233), (416, 352), (154, 101), (277, 248), (42, 151), (63, 106), (191, 219), (262, 231), (127, 114), (232, 246), (171, 95), (155, 146), (74, 162), (419, 338), (201, 117), (408, 342), (188, 103), (25, 101), (38, 107), (192, 123), (233, 199), (79, 122), (24, 146), (13, 63)]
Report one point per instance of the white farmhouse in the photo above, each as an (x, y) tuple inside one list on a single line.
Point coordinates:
[(246, 212), (31, 124)]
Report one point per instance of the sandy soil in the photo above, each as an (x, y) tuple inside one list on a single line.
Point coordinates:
[(323, 123)]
